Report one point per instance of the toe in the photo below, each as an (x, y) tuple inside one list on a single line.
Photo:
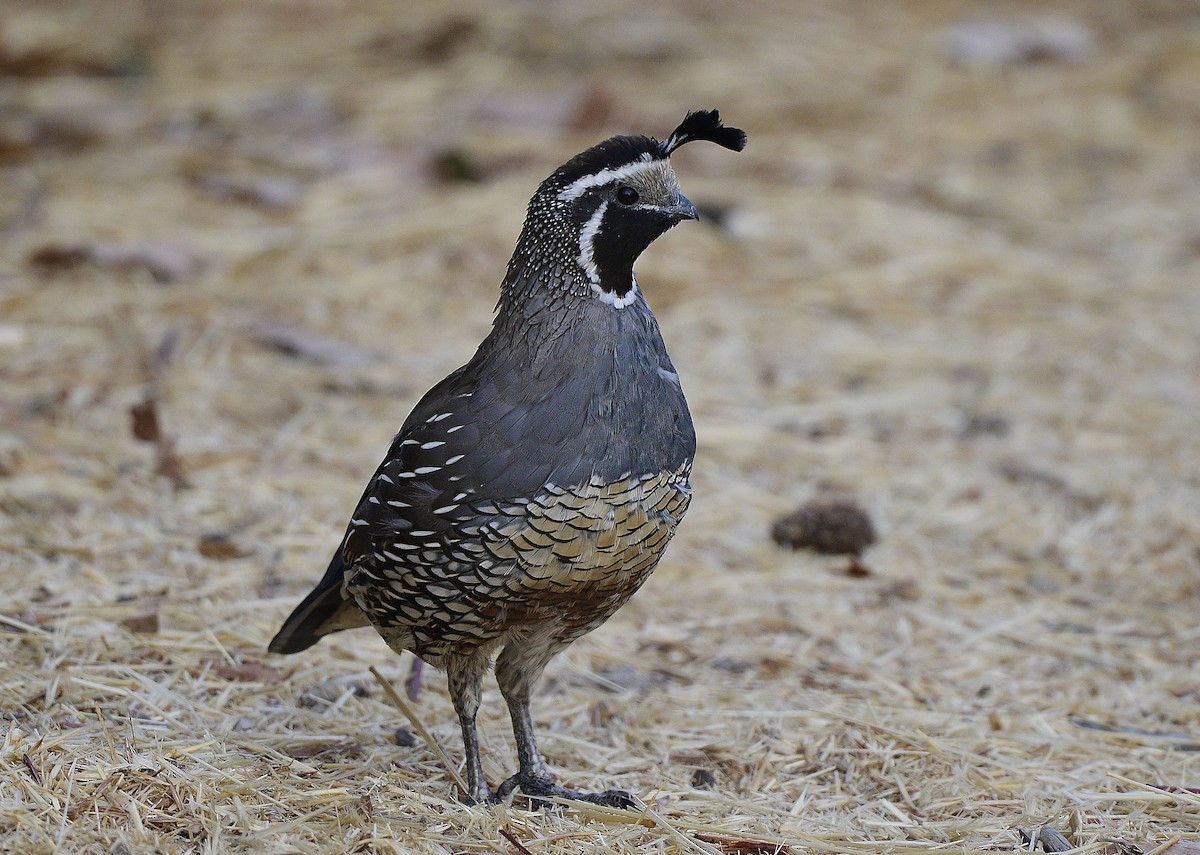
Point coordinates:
[(537, 788), (609, 798), (482, 797)]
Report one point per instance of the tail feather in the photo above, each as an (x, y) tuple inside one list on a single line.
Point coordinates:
[(326, 609)]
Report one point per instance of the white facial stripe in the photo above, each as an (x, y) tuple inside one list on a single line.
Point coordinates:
[(587, 262), (587, 258), (597, 179)]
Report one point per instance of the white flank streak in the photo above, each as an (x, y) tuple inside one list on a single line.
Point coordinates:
[(597, 179), (429, 445)]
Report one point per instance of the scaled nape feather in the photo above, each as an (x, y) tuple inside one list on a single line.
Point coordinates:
[(531, 492)]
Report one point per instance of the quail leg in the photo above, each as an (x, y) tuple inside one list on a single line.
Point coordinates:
[(464, 676), (534, 778)]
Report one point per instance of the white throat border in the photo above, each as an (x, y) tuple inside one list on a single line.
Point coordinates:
[(587, 263)]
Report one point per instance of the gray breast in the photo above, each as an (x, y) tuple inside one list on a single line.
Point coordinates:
[(537, 482)]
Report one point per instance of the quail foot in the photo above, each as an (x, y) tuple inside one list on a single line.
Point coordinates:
[(530, 493)]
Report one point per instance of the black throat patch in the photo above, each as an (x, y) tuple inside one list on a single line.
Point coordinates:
[(611, 241)]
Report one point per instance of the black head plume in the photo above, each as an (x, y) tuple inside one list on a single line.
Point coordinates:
[(702, 125)]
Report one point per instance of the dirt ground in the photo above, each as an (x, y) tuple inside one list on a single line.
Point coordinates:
[(953, 276)]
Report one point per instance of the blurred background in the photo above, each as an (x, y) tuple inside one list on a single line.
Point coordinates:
[(952, 282)]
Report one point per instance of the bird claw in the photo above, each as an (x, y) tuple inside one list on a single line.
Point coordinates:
[(539, 789), (473, 799), (609, 798)]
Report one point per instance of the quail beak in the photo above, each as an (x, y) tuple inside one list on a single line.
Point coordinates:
[(683, 209)]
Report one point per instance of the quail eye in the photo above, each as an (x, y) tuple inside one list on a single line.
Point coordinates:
[(627, 196)]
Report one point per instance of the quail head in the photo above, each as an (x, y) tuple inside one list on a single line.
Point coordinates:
[(531, 492)]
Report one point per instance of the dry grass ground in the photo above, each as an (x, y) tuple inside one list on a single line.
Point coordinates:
[(965, 294)]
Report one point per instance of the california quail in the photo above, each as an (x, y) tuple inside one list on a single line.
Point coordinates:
[(531, 492)]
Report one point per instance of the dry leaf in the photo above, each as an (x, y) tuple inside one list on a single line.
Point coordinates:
[(290, 112), (856, 569), (744, 846), (144, 418), (342, 749), (438, 42), (995, 42), (70, 128), (267, 191), (59, 256), (50, 54), (579, 109), (146, 624), (305, 344), (170, 466), (166, 260), (1183, 847), (454, 164), (147, 427), (249, 672), (446, 38), (219, 547)]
